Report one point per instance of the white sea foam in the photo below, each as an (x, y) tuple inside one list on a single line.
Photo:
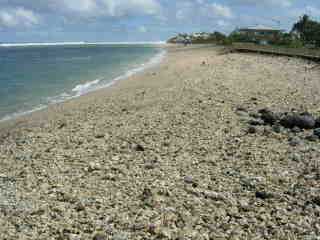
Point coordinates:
[(87, 87), (22, 113), (84, 88)]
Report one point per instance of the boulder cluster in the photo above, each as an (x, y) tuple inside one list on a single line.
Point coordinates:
[(281, 122)]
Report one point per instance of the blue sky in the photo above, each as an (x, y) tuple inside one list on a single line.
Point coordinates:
[(140, 20)]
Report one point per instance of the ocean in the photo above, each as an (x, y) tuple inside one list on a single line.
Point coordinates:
[(34, 76)]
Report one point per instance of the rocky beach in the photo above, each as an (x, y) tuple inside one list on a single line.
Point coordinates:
[(206, 145)]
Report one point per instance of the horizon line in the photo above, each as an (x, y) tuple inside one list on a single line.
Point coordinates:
[(76, 43)]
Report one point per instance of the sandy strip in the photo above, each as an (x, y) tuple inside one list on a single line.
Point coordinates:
[(165, 154)]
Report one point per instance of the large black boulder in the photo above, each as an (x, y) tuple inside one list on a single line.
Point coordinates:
[(268, 116), (303, 121)]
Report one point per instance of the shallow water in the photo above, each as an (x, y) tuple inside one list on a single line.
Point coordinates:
[(32, 77)]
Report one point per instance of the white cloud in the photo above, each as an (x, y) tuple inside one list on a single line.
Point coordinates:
[(111, 8), (220, 10), (118, 8), (277, 3), (80, 5), (18, 17)]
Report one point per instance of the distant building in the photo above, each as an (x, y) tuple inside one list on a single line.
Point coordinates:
[(261, 34)]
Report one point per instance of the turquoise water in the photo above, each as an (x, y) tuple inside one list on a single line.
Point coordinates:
[(33, 77)]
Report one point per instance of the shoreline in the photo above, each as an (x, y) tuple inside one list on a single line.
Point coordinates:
[(150, 63), (179, 151)]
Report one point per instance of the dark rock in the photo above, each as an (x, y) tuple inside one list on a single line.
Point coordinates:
[(146, 194), (317, 122), (268, 116), (305, 121), (263, 195), (61, 125), (277, 128), (267, 130), (99, 135), (312, 138), (317, 132), (295, 141), (296, 130), (316, 200), (252, 130), (256, 122), (79, 207), (241, 109), (138, 147)]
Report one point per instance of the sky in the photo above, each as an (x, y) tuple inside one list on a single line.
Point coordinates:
[(140, 20)]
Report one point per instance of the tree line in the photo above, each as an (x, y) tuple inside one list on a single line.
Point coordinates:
[(305, 32)]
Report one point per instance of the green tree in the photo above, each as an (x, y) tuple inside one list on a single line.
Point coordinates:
[(308, 30)]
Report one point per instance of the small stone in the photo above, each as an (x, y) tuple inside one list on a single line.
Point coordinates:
[(146, 194), (93, 167), (79, 207), (277, 128), (296, 157), (268, 116), (188, 179), (256, 122), (120, 236), (73, 237), (99, 236), (244, 205), (267, 130), (263, 195), (138, 147), (296, 130), (317, 132), (312, 138), (316, 200), (317, 122), (242, 114), (61, 125), (255, 115), (295, 141), (99, 135), (252, 130)]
